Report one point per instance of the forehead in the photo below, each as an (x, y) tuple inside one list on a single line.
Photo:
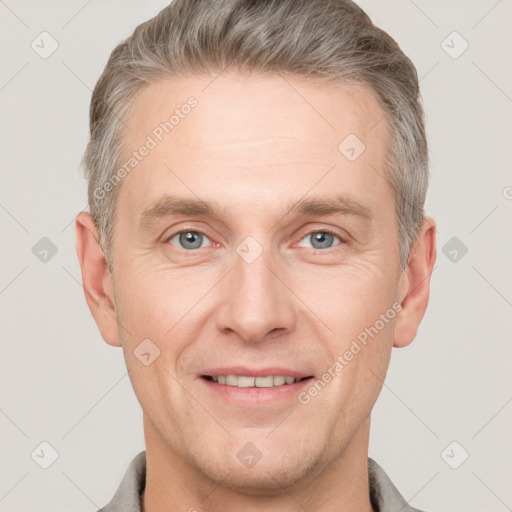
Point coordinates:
[(254, 134), (241, 106)]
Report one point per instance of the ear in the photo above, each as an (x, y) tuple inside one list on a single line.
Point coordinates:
[(416, 284), (96, 278)]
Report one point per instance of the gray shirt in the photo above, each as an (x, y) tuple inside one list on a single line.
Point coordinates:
[(384, 496)]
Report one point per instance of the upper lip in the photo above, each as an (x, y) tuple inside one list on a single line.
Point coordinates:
[(254, 372)]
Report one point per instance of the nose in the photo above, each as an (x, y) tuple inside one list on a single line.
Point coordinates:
[(256, 300)]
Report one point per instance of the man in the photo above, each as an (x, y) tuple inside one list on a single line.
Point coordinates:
[(257, 245)]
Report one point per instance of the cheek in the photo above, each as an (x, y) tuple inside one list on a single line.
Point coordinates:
[(155, 301), (358, 308), (349, 300), (154, 314), (162, 313), (357, 365)]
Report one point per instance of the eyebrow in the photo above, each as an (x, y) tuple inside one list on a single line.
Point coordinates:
[(170, 205)]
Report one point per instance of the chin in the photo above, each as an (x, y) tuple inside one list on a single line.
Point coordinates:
[(273, 472)]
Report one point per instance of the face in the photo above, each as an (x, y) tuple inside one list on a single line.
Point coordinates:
[(254, 245)]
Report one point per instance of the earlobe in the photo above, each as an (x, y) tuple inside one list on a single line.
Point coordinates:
[(96, 278), (416, 284)]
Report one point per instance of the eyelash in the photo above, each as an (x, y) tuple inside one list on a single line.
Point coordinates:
[(326, 230)]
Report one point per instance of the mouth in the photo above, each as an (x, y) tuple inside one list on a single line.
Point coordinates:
[(252, 381), (254, 388)]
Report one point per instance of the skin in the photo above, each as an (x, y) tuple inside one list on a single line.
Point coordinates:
[(253, 144)]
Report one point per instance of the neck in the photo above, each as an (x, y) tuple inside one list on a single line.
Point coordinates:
[(341, 485)]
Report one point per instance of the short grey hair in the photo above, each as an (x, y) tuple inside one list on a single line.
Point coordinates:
[(320, 40)]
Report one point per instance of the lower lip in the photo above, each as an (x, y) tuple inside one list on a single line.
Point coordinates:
[(257, 396)]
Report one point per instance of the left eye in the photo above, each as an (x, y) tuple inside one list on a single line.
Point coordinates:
[(189, 239), (321, 239)]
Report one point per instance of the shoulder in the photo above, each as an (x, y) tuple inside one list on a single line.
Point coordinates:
[(384, 496), (128, 495)]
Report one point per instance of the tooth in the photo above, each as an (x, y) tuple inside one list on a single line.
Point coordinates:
[(231, 380), (245, 382), (264, 382)]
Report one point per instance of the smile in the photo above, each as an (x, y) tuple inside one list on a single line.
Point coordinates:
[(245, 381)]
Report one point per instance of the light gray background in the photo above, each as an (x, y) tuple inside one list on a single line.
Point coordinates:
[(60, 383)]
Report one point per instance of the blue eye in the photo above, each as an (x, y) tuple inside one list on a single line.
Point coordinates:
[(190, 240), (321, 239)]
